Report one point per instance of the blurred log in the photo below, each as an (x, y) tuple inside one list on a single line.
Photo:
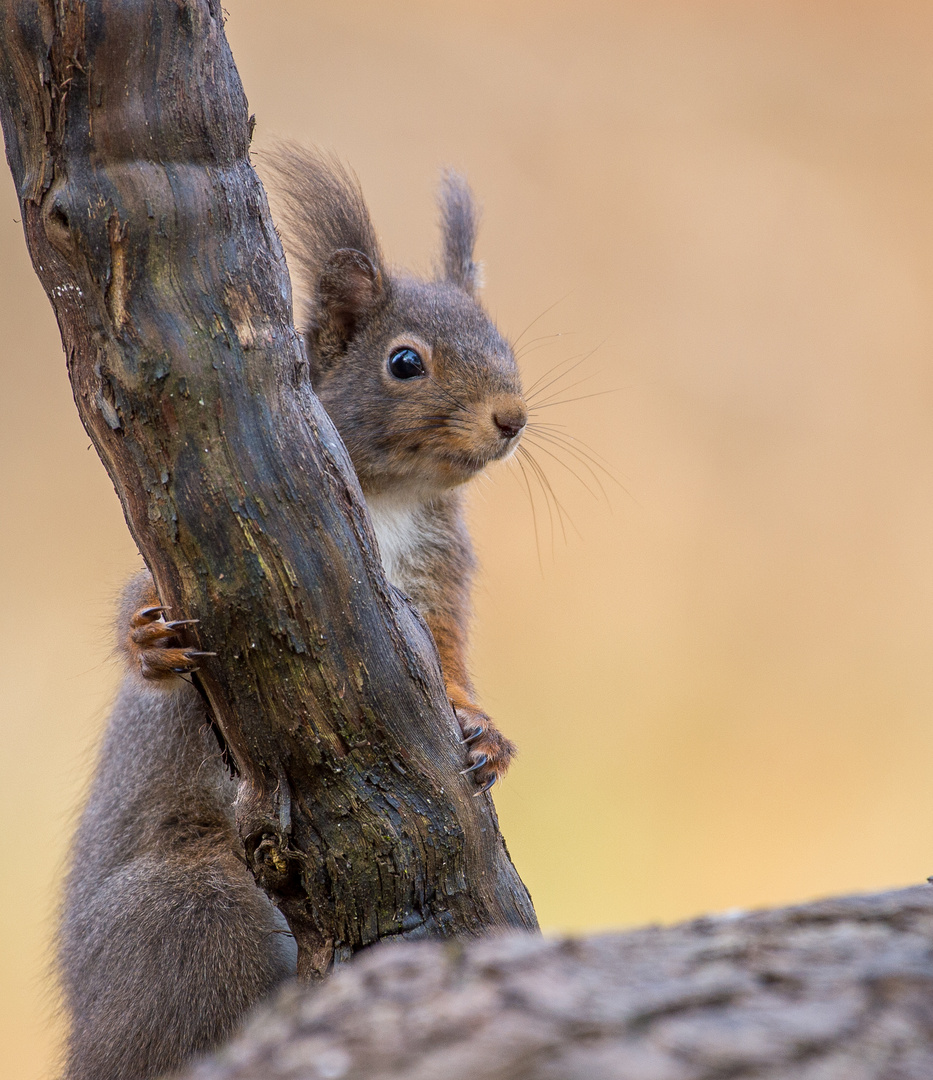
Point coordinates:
[(127, 134), (836, 990)]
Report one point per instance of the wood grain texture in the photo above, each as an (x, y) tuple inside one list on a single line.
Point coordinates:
[(836, 990), (127, 133)]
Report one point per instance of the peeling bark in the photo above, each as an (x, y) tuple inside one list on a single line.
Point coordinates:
[(127, 134)]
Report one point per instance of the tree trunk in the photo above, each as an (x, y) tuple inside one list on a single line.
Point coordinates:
[(127, 134), (838, 990)]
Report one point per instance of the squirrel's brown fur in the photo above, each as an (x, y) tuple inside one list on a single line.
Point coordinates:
[(166, 940)]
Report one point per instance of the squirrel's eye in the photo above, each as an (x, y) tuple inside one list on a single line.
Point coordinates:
[(405, 363)]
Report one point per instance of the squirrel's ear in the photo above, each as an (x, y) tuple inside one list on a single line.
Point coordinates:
[(458, 233), (348, 287)]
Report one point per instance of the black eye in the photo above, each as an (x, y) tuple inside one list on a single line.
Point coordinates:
[(405, 363)]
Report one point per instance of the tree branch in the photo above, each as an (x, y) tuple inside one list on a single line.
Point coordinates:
[(127, 134), (837, 990)]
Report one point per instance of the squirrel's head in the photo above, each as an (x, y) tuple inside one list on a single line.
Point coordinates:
[(423, 389)]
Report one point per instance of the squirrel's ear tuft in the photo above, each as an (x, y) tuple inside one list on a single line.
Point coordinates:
[(349, 286), (323, 212), (458, 233)]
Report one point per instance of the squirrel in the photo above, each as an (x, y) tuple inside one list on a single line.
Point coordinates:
[(166, 940)]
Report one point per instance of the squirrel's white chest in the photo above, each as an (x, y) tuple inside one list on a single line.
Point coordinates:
[(400, 535)]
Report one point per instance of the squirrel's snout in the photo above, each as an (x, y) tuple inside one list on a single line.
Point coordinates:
[(510, 421)]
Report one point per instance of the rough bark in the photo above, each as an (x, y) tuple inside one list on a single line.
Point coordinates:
[(837, 990), (127, 134)]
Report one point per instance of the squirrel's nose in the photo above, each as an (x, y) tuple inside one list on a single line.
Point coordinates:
[(510, 421)]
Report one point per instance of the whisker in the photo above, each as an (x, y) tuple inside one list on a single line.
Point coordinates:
[(584, 453), (430, 423), (532, 465), (552, 369), (563, 517), (526, 352), (580, 359), (455, 401), (418, 430), (562, 513), (539, 401), (561, 431), (540, 343), (535, 390), (534, 512), (456, 421), (576, 475), (541, 337), (538, 318), (539, 424), (583, 397), (481, 484), (440, 423)]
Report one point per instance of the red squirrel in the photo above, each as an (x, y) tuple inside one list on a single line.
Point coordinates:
[(166, 940)]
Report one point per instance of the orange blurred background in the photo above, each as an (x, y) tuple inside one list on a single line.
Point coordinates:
[(721, 680)]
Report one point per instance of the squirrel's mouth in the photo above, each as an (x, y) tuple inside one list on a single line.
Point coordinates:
[(506, 448), (471, 463)]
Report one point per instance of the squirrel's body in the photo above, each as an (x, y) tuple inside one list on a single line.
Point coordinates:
[(166, 939)]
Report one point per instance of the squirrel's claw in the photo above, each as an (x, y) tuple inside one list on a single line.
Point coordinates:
[(486, 786), (157, 646), (147, 614), (192, 654), (159, 662), (478, 764), (489, 750)]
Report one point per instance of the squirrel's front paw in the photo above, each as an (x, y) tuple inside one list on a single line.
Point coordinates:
[(489, 750), (155, 646)]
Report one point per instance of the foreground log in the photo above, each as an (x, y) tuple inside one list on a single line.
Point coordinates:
[(127, 134), (836, 990)]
